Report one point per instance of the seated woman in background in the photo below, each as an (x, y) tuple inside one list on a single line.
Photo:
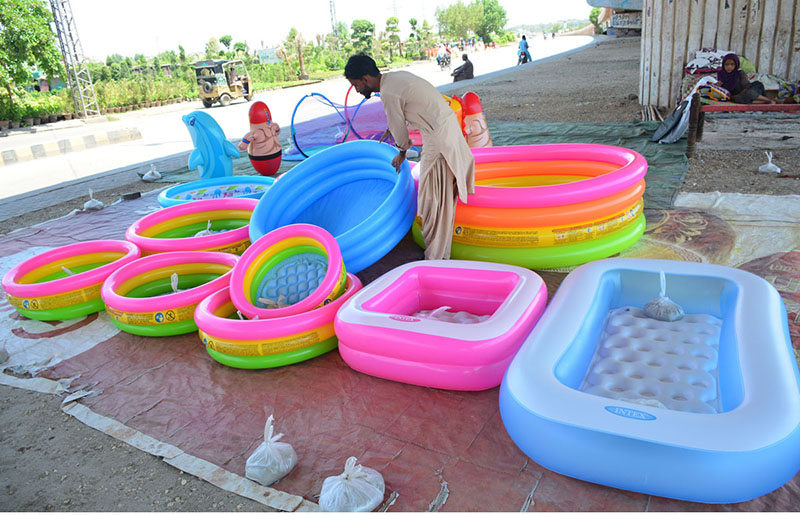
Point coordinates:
[(742, 91)]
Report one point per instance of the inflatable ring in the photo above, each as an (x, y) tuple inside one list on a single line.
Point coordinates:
[(571, 214), (513, 237), (548, 257), (140, 299), (174, 228), (249, 186), (351, 190), (299, 265), (281, 341), (64, 283), (610, 170), (546, 206)]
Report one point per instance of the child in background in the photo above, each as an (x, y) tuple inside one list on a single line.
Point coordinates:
[(732, 78)]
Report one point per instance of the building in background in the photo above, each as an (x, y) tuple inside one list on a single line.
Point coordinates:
[(765, 32), (624, 17)]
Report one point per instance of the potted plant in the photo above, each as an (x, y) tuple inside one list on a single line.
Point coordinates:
[(5, 115)]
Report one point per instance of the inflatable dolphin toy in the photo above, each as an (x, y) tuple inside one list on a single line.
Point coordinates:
[(213, 154)]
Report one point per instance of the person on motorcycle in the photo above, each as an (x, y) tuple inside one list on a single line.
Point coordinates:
[(443, 57), (523, 51)]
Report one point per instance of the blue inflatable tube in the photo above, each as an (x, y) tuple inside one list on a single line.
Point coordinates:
[(242, 186), (351, 190)]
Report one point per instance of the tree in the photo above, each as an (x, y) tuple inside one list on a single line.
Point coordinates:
[(392, 31), (412, 48), (226, 40), (493, 21), (363, 33), (240, 47), (181, 54), (458, 20), (26, 40), (342, 34), (426, 34), (594, 16), (212, 48), (115, 70)]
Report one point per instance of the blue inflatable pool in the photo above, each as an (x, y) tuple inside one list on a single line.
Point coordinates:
[(351, 190), (243, 186), (704, 409)]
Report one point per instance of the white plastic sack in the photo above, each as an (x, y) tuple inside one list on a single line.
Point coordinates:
[(356, 489), (152, 175), (272, 460), (93, 204), (662, 308), (770, 167)]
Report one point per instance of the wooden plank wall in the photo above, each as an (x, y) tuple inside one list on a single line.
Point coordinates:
[(765, 31)]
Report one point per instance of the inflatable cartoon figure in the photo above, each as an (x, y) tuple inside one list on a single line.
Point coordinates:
[(213, 154), (475, 126), (262, 142)]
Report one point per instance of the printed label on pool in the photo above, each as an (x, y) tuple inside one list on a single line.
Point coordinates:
[(404, 318), (630, 413)]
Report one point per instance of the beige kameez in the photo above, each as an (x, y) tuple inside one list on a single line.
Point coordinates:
[(447, 166)]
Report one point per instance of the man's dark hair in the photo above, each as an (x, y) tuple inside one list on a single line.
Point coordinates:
[(464, 56), (359, 65), (523, 36)]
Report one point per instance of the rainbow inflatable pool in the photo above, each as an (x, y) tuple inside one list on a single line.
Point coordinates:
[(547, 206), (219, 225)]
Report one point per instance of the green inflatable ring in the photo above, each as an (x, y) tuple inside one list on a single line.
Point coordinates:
[(537, 258), (275, 360)]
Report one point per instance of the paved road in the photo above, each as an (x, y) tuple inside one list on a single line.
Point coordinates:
[(163, 132)]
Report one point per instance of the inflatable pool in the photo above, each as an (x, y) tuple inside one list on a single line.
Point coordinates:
[(351, 190), (293, 269), (219, 225), (547, 206), (64, 283), (386, 329), (267, 343), (703, 409), (243, 186), (157, 295)]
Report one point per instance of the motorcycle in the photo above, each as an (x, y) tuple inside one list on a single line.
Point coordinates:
[(443, 61), (522, 57)]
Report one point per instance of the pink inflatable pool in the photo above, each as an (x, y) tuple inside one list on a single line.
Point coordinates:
[(386, 329)]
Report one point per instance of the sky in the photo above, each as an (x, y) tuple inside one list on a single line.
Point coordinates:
[(153, 26)]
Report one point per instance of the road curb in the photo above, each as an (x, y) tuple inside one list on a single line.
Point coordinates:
[(63, 146)]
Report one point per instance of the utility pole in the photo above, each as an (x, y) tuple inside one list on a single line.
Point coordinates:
[(80, 82), (333, 16)]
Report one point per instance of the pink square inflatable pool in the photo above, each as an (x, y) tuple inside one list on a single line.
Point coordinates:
[(386, 329)]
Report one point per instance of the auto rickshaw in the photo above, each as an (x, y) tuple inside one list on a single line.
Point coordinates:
[(221, 80)]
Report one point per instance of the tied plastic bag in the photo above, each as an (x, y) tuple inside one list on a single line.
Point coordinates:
[(92, 204), (272, 460), (770, 167), (152, 175), (662, 308), (208, 231), (356, 489)]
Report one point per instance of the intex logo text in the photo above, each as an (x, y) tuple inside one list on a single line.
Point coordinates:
[(404, 318), (630, 413)]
